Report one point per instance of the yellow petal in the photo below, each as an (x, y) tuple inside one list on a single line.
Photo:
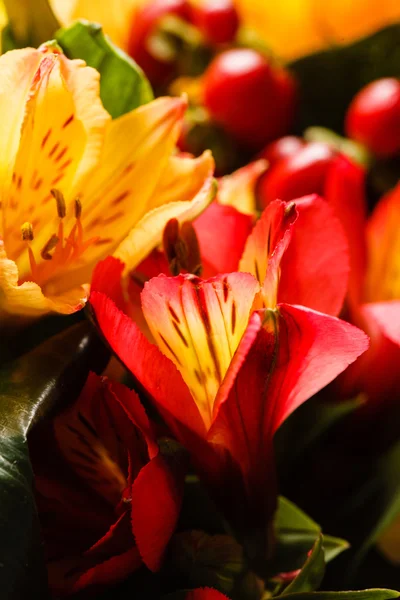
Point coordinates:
[(115, 16), (238, 189), (297, 27), (147, 234), (28, 300), (182, 179), (60, 143), (137, 149), (18, 69), (198, 325)]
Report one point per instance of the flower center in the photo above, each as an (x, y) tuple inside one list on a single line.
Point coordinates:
[(61, 250)]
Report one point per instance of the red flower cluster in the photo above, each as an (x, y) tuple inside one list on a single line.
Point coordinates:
[(232, 356)]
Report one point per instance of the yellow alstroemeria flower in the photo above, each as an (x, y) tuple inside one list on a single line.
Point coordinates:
[(76, 186), (294, 28)]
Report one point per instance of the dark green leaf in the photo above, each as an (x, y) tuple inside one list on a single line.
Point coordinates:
[(312, 573), (385, 485), (330, 79), (295, 535), (31, 22), (123, 85), (373, 594), (32, 386), (196, 559)]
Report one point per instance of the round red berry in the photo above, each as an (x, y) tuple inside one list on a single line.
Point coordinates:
[(298, 174), (218, 20), (252, 101), (373, 117)]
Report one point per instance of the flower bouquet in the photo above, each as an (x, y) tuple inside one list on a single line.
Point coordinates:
[(200, 300)]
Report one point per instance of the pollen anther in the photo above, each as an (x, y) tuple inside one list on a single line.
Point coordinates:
[(59, 198), (78, 208), (27, 232), (50, 245)]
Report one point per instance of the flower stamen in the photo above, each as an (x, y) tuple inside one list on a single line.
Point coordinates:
[(27, 236), (49, 246)]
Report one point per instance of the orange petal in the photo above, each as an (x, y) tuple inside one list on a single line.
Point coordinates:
[(383, 242)]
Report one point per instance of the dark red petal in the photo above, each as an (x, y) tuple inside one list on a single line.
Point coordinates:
[(205, 594), (132, 406), (315, 266), (154, 371), (156, 503), (106, 278), (222, 232), (345, 192)]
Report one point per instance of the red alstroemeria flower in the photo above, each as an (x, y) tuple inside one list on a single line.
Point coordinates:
[(234, 359), (374, 287), (108, 500)]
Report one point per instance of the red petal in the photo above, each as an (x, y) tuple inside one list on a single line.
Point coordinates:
[(154, 371), (107, 277), (315, 266), (156, 503), (266, 245), (205, 594), (345, 192), (222, 232), (313, 349)]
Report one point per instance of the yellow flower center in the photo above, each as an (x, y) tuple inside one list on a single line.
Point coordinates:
[(61, 250)]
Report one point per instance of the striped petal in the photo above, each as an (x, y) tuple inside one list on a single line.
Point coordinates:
[(198, 325), (265, 248), (58, 144)]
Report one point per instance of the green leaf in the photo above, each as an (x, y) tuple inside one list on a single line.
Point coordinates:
[(31, 22), (123, 85), (312, 573), (295, 535), (386, 487), (196, 559), (373, 594), (30, 388), (330, 79)]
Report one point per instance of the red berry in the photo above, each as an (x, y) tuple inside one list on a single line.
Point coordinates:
[(373, 117), (252, 101), (145, 23), (218, 20), (298, 174), (281, 148)]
